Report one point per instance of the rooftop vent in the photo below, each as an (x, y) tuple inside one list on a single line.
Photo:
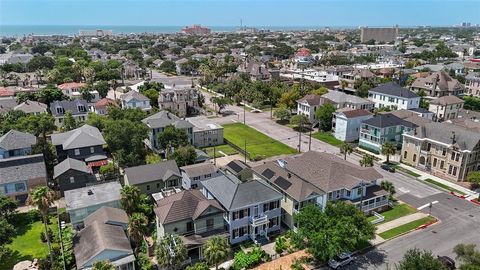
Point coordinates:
[(282, 163), (90, 192)]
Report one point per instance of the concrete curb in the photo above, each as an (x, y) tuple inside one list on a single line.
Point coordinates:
[(437, 221)]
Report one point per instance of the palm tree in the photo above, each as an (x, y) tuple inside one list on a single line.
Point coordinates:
[(103, 265), (366, 161), (137, 227), (42, 197), (345, 149), (129, 198), (170, 251), (388, 186), (216, 250), (388, 149)]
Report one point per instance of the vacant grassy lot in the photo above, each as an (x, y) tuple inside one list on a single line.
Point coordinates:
[(397, 211), (327, 137), (438, 184), (259, 145), (405, 227), (225, 148)]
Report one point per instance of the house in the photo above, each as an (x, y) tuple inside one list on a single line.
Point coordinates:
[(182, 102), (159, 121), (472, 84), (205, 131), (16, 143), (71, 174), (153, 178), (99, 242), (134, 99), (347, 80), (20, 174), (7, 104), (238, 169), (304, 56), (382, 128), (83, 143), (438, 84), (445, 150), (342, 100), (346, 123), (393, 96), (256, 71), (182, 68), (101, 106), (193, 217), (253, 207), (73, 91), (31, 107), (108, 215), (82, 202), (309, 104), (445, 108), (315, 177), (78, 108), (193, 175)]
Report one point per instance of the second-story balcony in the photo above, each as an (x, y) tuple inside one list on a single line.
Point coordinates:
[(259, 220)]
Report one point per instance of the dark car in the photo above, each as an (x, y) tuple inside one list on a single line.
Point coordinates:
[(447, 261), (388, 168)]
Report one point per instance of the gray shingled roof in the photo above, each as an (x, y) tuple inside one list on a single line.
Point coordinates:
[(165, 118), (388, 120), (443, 132), (340, 97), (393, 89), (83, 136), (22, 168), (17, 140), (31, 107), (234, 194), (69, 164), (68, 106), (134, 95), (152, 172), (447, 100), (199, 169), (107, 215)]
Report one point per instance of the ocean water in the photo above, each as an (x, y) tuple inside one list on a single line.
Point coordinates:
[(70, 30)]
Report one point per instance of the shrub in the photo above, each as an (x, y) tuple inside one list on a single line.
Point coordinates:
[(250, 259), (280, 244), (44, 238)]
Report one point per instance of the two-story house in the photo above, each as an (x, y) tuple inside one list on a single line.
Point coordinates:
[(193, 175), (16, 143), (346, 123), (71, 174), (253, 207), (445, 108), (153, 178), (393, 96), (316, 178), (78, 108), (193, 217), (342, 100), (438, 84), (472, 84), (83, 143), (205, 132), (182, 102), (31, 107), (347, 80), (73, 91), (445, 150), (134, 99), (309, 104), (156, 123)]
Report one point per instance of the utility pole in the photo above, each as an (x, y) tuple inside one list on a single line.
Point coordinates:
[(214, 156), (310, 140), (361, 196), (299, 140), (244, 112), (245, 149)]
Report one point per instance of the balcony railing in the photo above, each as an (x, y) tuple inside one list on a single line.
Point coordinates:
[(260, 220)]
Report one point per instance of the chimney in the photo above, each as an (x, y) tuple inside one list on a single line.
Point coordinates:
[(90, 192), (453, 137)]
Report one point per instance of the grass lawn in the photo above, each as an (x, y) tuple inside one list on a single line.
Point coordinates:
[(225, 148), (405, 228), (26, 245), (407, 171), (327, 137), (431, 181), (397, 211), (259, 145)]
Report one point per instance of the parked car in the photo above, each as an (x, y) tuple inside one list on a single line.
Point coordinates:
[(447, 261), (388, 167), (256, 111), (340, 260)]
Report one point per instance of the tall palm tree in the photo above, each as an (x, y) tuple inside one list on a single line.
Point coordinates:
[(102, 265), (129, 198), (388, 186), (216, 250), (170, 251), (345, 149), (42, 197), (388, 149), (137, 227), (366, 161)]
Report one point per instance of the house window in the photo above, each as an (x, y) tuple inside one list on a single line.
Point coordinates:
[(189, 226), (434, 162), (77, 152), (414, 157), (208, 175), (454, 171), (405, 154), (442, 163), (444, 152), (359, 191), (72, 180), (241, 214), (148, 187), (92, 149), (196, 178), (273, 222), (450, 169), (209, 223), (19, 187), (194, 186)]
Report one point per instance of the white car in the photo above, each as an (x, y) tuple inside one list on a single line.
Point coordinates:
[(256, 111), (340, 260)]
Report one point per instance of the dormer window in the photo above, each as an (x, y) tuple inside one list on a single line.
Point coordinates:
[(81, 108), (60, 110)]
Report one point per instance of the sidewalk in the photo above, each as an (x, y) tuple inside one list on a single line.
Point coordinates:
[(399, 222)]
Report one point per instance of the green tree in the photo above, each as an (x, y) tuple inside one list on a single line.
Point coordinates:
[(300, 121), (96, 120), (216, 250), (130, 196), (49, 94), (329, 232), (366, 161), (198, 266), (184, 155), (86, 94), (417, 259), (137, 227), (319, 91), (474, 177), (42, 198), (282, 114), (170, 251), (388, 149), (346, 149), (7, 231), (103, 265), (324, 115), (133, 115), (8, 207), (172, 137), (168, 66), (389, 187), (289, 99), (468, 255), (69, 122), (102, 88), (220, 102), (152, 94)]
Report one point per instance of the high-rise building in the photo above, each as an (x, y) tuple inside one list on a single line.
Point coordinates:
[(378, 34)]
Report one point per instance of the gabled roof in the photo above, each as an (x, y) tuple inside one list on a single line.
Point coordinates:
[(165, 118), (17, 140), (199, 169), (107, 215), (187, 204), (393, 89), (31, 107), (133, 95), (314, 100), (447, 100), (234, 194), (71, 85), (442, 79), (152, 172), (69, 164), (354, 113), (84, 136), (465, 139), (22, 168), (67, 105), (387, 120), (236, 166), (340, 97)]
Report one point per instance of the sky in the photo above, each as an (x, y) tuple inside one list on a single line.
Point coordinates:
[(230, 12)]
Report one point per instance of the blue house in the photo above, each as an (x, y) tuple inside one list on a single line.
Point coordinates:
[(15, 143)]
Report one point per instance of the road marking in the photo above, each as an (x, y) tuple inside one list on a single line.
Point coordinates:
[(404, 190), (426, 205)]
